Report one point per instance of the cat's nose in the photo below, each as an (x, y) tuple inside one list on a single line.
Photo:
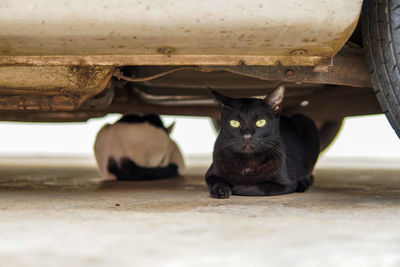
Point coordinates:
[(246, 136)]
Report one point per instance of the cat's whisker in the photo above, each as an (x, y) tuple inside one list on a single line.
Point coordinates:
[(224, 147)]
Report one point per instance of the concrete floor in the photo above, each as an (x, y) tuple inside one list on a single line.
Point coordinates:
[(58, 212)]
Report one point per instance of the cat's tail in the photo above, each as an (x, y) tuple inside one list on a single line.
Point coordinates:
[(128, 170)]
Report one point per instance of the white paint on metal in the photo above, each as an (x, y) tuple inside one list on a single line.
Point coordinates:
[(252, 28)]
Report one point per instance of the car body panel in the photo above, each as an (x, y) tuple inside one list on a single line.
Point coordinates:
[(47, 88), (174, 32), (64, 60)]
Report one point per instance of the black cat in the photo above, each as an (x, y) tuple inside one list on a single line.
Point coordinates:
[(260, 153)]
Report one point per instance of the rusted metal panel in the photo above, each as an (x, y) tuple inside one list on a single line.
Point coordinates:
[(50, 87), (333, 103), (37, 102), (330, 104), (348, 69), (130, 60), (49, 116), (174, 32)]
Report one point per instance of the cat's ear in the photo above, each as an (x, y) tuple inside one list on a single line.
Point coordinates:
[(170, 128), (275, 98), (224, 101)]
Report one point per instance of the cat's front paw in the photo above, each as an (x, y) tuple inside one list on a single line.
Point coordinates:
[(221, 190), (304, 184)]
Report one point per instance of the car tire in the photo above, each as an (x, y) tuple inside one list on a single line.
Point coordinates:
[(381, 38)]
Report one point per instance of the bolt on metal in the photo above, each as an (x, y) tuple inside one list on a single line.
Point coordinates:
[(298, 52)]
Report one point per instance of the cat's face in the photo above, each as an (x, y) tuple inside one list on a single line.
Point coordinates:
[(249, 125)]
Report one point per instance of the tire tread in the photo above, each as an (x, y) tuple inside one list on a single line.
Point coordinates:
[(381, 34)]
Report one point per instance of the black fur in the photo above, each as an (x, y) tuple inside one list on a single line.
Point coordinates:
[(277, 159), (153, 119), (127, 170)]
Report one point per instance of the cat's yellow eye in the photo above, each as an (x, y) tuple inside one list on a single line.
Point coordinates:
[(234, 123), (260, 123)]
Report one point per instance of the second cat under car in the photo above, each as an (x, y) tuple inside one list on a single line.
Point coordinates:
[(137, 148)]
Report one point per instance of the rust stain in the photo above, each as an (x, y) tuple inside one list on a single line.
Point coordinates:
[(160, 60), (50, 88), (166, 51)]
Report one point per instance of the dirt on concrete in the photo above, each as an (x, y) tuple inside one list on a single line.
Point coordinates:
[(58, 212)]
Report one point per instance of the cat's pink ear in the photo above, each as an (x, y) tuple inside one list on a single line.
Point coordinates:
[(275, 98), (170, 128)]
